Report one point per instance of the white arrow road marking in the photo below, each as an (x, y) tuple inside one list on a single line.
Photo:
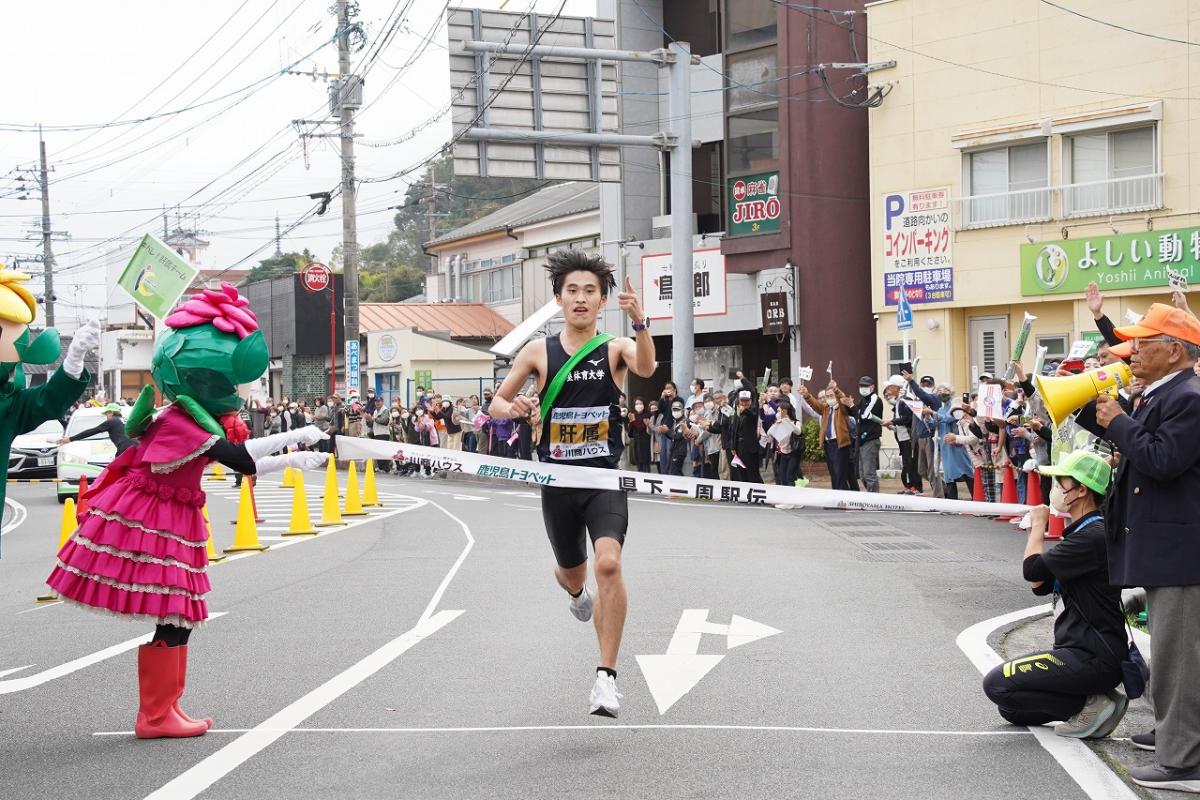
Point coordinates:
[(744, 631), (45, 676), (674, 674), (671, 676)]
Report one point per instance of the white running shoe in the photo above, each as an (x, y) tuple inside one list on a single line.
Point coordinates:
[(606, 700), (581, 606)]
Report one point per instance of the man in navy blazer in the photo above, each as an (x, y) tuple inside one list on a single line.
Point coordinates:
[(1153, 519)]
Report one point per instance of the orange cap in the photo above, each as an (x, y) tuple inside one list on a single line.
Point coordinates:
[(1160, 320)]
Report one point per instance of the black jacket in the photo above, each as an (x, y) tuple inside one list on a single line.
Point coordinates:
[(1154, 502), (868, 408)]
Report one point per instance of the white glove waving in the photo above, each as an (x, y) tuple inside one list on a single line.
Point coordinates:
[(85, 341), (307, 459), (310, 434)]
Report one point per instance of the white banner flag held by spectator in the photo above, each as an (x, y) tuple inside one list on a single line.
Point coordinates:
[(536, 473)]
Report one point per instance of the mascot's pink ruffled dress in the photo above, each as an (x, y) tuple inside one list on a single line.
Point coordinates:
[(139, 551)]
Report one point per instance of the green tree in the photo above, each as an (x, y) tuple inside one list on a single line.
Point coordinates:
[(279, 266)]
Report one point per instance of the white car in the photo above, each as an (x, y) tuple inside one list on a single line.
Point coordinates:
[(35, 453), (87, 456)]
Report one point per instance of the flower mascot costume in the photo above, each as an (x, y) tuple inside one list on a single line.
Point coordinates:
[(140, 551), (22, 409)]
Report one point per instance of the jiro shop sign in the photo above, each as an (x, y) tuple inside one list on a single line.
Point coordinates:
[(754, 205), (1128, 261)]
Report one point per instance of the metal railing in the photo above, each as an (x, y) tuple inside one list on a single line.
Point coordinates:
[(1004, 208), (1092, 198), (1114, 196)]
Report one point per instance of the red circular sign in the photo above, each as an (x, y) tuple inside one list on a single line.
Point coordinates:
[(316, 277), (739, 190)]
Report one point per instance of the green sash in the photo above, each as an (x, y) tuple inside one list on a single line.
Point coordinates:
[(559, 380)]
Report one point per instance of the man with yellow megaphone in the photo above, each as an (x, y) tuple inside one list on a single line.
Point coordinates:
[(1151, 525), (1062, 396)]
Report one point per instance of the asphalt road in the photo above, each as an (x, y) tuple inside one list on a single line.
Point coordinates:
[(426, 652)]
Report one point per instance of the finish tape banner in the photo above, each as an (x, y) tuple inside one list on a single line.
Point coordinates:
[(536, 473)]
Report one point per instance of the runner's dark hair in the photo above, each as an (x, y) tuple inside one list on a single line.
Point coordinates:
[(562, 263)]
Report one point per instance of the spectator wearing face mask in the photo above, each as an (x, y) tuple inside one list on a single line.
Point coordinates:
[(638, 426), (958, 450), (697, 395), (788, 440), (925, 429), (709, 440), (835, 431), (869, 413), (744, 465), (451, 423), (895, 394), (679, 439), (381, 428), (663, 425), (403, 430), (722, 427), (424, 431)]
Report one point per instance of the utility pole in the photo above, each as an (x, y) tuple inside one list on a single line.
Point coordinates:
[(47, 251), (349, 96), (278, 239)]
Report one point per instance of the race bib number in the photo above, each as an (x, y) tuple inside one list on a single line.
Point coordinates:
[(579, 433)]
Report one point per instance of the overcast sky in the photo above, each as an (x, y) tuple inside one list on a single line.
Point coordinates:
[(77, 63)]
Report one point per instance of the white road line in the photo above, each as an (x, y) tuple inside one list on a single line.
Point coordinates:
[(607, 728), (45, 676), (224, 761), (1076, 758), (19, 515)]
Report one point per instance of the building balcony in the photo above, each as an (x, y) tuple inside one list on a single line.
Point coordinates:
[(1115, 196), (1004, 208), (1093, 198)]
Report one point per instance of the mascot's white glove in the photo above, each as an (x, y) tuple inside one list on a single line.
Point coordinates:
[(301, 460), (265, 445), (85, 341)]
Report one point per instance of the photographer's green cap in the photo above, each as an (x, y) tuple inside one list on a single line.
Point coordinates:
[(1085, 467), (113, 408)]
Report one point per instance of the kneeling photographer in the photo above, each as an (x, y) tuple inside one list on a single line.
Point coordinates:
[(1077, 679)]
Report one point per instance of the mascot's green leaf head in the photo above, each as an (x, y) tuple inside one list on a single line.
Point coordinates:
[(214, 347), (17, 309)]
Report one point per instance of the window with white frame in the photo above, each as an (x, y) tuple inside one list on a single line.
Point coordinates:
[(1006, 185), (1112, 171), (895, 354)]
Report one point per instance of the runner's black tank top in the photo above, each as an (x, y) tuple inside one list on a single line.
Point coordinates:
[(584, 427)]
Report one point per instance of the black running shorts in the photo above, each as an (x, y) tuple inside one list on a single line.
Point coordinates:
[(568, 512)]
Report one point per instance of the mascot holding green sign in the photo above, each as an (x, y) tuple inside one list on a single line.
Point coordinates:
[(140, 551), (23, 409)]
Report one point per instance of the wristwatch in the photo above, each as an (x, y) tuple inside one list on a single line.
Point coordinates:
[(643, 325)]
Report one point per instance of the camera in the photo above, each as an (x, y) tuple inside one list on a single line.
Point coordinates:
[(875, 317)]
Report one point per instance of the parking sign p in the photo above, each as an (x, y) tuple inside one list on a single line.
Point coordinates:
[(893, 206)]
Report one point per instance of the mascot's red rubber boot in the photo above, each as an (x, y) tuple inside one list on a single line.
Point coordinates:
[(159, 689), (181, 653)]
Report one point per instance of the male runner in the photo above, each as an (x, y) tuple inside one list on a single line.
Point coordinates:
[(584, 428)]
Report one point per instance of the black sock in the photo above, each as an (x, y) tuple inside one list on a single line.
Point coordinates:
[(610, 672)]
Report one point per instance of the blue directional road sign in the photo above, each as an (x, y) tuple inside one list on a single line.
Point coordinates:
[(904, 315)]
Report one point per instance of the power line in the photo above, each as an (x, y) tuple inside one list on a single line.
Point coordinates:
[(971, 67), (1120, 27), (161, 83)]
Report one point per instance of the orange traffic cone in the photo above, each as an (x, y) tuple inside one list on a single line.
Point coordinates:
[(977, 492), (1057, 524), (1033, 490), (1008, 492)]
